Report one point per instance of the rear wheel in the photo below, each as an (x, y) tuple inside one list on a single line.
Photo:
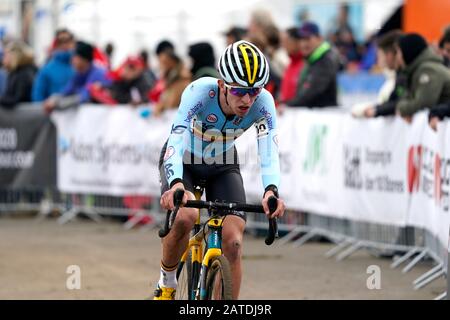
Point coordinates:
[(218, 280)]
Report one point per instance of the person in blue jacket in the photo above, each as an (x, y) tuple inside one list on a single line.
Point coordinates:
[(57, 72), (86, 74)]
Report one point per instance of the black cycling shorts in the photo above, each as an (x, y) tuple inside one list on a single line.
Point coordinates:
[(222, 182)]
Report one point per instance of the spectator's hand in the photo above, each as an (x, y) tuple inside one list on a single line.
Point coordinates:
[(407, 119), (49, 105), (157, 110), (369, 112), (359, 109), (281, 108), (433, 123)]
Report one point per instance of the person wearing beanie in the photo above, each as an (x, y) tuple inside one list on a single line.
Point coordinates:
[(86, 74), (428, 80), (203, 61)]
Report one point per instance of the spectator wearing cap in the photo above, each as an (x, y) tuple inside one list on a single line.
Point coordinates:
[(57, 72), (317, 85), (234, 34), (86, 73), (428, 80), (18, 61), (291, 43), (203, 61), (128, 86)]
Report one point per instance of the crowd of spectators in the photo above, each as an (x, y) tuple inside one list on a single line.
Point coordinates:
[(304, 64)]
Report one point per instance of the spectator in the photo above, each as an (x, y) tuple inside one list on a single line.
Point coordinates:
[(175, 76), (444, 47), (203, 61), (18, 61), (149, 75), (158, 88), (395, 84), (291, 42), (164, 45), (262, 27), (428, 79), (128, 87), (317, 85), (86, 73), (55, 75), (344, 37), (3, 75), (234, 34)]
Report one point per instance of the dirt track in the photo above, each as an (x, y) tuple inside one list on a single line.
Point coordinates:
[(119, 264)]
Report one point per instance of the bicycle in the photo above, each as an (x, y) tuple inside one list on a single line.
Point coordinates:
[(204, 272)]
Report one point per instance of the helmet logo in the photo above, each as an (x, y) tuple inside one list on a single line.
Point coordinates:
[(251, 78)]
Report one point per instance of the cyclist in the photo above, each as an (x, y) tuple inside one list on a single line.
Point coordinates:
[(200, 149)]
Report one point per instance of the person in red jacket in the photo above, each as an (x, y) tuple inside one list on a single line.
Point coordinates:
[(291, 43)]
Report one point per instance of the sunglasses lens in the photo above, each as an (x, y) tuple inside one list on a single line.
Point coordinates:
[(240, 92)]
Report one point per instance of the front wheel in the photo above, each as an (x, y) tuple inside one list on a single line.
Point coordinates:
[(218, 280), (184, 279)]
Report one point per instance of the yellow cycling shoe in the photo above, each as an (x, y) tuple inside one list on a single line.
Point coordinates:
[(163, 293)]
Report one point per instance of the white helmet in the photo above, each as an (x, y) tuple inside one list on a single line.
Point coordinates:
[(243, 63)]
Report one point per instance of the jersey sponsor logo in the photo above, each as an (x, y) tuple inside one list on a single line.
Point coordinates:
[(211, 118), (168, 170), (178, 129), (212, 94), (170, 151), (237, 120), (268, 117), (262, 128), (193, 111)]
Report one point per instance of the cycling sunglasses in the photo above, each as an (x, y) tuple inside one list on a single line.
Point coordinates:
[(242, 91)]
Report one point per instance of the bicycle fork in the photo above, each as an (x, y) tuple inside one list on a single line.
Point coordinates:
[(213, 249)]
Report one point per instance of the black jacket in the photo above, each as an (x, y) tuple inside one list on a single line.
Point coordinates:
[(121, 90), (317, 85), (18, 86), (441, 111), (388, 108)]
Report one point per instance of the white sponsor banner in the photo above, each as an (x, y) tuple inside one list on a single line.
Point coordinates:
[(428, 177), (109, 150), (316, 161), (373, 165), (380, 170)]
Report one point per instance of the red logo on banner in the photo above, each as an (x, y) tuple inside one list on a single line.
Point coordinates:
[(437, 178), (414, 164)]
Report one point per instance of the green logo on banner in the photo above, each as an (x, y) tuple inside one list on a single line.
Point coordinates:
[(315, 159)]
